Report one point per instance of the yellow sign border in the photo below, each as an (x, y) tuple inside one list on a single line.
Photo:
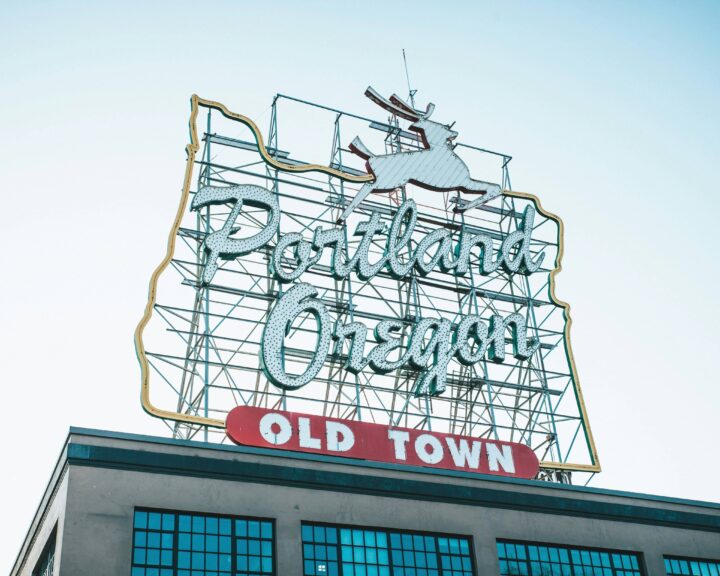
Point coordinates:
[(191, 150)]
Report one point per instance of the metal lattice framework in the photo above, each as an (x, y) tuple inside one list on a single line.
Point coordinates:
[(202, 344)]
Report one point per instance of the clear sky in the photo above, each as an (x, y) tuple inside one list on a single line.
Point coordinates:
[(610, 110)]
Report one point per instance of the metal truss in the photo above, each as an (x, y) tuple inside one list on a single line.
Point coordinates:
[(204, 341)]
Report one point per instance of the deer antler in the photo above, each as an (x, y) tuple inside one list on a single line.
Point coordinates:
[(404, 112), (400, 103)]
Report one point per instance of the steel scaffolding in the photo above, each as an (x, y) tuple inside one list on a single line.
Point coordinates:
[(202, 343)]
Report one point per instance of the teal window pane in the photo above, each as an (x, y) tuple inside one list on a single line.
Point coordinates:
[(693, 567), (225, 561), (254, 529), (524, 559), (154, 520), (166, 558), (184, 559), (168, 522), (198, 542), (381, 553), (241, 528), (225, 526), (139, 556), (307, 533), (153, 557), (172, 544), (184, 541), (141, 520), (153, 539)]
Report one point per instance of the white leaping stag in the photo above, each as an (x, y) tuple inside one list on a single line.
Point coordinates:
[(437, 167)]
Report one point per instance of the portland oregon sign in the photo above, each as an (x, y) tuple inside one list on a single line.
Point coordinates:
[(364, 287)]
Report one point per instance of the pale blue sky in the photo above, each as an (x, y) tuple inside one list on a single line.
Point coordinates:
[(609, 109)]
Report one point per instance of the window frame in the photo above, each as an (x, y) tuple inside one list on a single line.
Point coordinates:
[(388, 531), (49, 547), (177, 512), (642, 566), (689, 559)]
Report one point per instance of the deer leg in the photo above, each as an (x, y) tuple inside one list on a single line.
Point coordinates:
[(488, 191), (357, 147), (359, 197)]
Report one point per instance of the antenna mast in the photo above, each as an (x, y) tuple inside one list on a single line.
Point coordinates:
[(411, 92)]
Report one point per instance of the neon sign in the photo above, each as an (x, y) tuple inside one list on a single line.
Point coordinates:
[(263, 428), (390, 288), (469, 340)]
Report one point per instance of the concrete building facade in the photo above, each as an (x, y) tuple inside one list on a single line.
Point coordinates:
[(128, 505)]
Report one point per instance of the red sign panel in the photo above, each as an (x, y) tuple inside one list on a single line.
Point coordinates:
[(251, 426)]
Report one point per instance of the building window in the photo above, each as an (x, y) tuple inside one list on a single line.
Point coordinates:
[(184, 544), (525, 559), (46, 563), (691, 567), (345, 551)]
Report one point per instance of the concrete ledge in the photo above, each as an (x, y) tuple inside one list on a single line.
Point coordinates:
[(307, 477)]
